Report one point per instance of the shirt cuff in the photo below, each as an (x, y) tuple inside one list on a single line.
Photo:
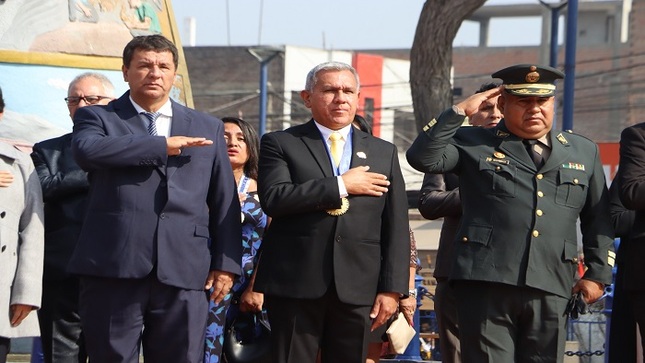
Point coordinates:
[(341, 187)]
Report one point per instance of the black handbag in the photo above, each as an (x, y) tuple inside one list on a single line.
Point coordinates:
[(248, 339)]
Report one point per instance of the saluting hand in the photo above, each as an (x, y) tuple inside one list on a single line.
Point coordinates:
[(471, 104), (174, 144), (358, 181)]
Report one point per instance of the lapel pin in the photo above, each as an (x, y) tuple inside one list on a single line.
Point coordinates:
[(361, 155)]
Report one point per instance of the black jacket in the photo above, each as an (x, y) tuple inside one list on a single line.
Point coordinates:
[(65, 189)]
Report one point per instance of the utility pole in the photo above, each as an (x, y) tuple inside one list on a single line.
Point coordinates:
[(570, 65)]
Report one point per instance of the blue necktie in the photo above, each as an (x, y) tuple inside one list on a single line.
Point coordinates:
[(152, 125)]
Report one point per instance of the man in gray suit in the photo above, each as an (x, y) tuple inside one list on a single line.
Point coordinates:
[(522, 187), (163, 218)]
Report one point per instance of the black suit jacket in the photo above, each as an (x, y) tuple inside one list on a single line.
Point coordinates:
[(630, 183), (440, 199), (180, 214), (65, 188), (305, 250)]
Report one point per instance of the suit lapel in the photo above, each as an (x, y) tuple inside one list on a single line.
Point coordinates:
[(180, 126), (313, 140), (129, 116), (560, 150), (512, 145), (360, 150)]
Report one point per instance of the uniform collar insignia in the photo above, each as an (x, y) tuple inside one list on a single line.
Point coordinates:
[(501, 133), (562, 139)]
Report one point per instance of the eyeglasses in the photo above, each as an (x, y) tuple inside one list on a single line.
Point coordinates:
[(90, 100)]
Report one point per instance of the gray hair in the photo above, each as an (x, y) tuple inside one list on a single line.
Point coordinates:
[(329, 66), (108, 88)]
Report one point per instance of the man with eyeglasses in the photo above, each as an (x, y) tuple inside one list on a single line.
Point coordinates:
[(65, 188)]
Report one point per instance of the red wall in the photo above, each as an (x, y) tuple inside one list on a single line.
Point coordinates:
[(370, 71), (609, 156)]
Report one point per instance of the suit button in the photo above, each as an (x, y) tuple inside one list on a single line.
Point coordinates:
[(2, 214), (4, 248), (575, 181), (535, 233), (539, 176), (540, 194), (539, 212), (162, 216), (464, 239), (498, 168), (338, 239)]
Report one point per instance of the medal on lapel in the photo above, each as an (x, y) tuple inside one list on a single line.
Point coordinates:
[(344, 207)]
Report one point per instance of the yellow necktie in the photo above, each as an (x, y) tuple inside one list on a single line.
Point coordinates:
[(336, 147)]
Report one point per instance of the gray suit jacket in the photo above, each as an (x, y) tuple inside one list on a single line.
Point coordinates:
[(21, 241)]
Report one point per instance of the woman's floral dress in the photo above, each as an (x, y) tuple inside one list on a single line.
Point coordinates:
[(254, 223)]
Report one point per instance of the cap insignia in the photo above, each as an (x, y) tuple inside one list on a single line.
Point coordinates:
[(533, 76)]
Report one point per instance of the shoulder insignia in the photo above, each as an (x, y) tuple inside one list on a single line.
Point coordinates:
[(429, 125), (611, 258), (562, 139), (501, 133)]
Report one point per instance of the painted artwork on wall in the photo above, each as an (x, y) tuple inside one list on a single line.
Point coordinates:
[(45, 44)]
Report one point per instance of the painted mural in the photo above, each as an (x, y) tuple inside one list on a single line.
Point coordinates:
[(45, 44)]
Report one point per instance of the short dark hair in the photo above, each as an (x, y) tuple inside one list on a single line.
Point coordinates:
[(362, 124), (1, 102), (487, 86), (252, 145), (156, 42)]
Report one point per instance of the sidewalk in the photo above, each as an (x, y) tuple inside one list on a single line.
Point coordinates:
[(16, 358)]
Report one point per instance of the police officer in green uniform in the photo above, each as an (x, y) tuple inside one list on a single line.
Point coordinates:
[(523, 187)]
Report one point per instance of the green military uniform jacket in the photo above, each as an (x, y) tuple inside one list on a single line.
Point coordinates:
[(519, 223)]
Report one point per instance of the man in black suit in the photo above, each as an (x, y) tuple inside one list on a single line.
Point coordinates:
[(337, 252), (65, 189), (163, 218), (630, 178)]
